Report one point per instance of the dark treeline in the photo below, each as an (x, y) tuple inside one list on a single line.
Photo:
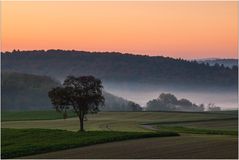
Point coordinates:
[(112, 66), (222, 62), (25, 91), (114, 103), (168, 102)]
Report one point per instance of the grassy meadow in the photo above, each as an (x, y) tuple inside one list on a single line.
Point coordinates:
[(20, 142), (185, 146), (46, 131), (117, 121), (32, 115)]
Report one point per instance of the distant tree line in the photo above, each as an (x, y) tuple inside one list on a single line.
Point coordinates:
[(232, 63), (168, 102), (212, 107), (114, 103), (117, 67), (25, 91)]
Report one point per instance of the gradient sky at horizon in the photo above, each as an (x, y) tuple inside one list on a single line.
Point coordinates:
[(188, 30)]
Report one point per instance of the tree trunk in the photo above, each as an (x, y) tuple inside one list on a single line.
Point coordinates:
[(81, 123)]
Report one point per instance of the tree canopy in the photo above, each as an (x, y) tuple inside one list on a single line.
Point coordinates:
[(82, 94)]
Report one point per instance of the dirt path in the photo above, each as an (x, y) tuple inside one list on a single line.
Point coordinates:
[(189, 146)]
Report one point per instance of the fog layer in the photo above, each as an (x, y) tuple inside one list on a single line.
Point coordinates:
[(142, 93)]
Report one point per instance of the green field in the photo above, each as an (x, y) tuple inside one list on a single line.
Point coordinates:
[(20, 142), (52, 114), (186, 146), (32, 115), (116, 121), (227, 124), (136, 124)]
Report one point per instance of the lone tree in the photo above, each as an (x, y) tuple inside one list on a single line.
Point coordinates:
[(83, 94)]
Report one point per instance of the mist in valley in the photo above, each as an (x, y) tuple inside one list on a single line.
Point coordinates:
[(141, 93)]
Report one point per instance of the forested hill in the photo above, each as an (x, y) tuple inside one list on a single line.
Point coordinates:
[(25, 91), (116, 67)]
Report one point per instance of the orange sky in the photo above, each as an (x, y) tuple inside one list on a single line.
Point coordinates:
[(175, 29)]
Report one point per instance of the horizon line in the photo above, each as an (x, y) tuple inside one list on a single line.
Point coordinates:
[(124, 53)]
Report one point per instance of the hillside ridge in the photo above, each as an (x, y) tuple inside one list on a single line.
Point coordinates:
[(118, 67)]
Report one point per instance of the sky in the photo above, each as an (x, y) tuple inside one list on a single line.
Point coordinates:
[(188, 30)]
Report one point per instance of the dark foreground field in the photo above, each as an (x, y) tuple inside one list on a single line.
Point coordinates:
[(20, 142), (202, 135), (185, 146)]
